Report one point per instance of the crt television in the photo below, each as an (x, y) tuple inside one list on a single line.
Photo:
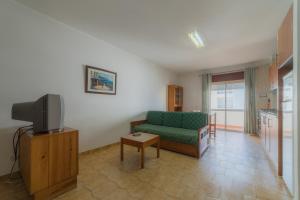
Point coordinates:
[(46, 114)]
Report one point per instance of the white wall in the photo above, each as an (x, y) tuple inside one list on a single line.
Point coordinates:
[(192, 91), (39, 55)]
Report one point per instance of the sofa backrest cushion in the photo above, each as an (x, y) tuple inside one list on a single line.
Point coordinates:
[(155, 117), (194, 120), (172, 119)]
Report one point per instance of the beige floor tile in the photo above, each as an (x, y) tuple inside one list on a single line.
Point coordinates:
[(234, 167)]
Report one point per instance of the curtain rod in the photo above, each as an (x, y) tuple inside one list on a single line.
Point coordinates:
[(226, 72)]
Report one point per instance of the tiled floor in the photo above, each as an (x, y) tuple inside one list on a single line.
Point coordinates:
[(230, 127), (234, 167)]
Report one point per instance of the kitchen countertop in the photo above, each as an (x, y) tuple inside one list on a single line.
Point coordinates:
[(269, 111)]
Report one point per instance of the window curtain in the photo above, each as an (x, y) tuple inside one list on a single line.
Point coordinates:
[(250, 105), (206, 87)]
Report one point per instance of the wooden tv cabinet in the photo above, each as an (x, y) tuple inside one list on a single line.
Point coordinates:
[(49, 163)]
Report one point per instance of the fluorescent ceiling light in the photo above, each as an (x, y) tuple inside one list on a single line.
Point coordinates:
[(197, 40)]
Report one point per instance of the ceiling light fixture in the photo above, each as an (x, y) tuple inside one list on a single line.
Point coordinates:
[(197, 40)]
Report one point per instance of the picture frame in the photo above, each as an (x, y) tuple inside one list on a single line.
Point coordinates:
[(100, 81)]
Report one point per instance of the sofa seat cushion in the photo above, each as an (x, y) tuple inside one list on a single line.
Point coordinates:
[(179, 135)]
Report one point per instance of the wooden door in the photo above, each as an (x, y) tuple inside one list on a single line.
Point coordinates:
[(63, 157)]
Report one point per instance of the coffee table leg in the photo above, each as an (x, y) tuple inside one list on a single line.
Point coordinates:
[(122, 150), (142, 157), (158, 148)]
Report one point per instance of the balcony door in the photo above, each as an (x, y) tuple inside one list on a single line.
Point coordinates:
[(227, 101)]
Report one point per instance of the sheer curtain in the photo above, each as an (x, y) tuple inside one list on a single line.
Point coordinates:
[(250, 106), (206, 87)]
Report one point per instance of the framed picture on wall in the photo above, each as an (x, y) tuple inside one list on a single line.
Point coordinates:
[(100, 81)]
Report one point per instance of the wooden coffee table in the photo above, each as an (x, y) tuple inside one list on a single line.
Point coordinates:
[(141, 141)]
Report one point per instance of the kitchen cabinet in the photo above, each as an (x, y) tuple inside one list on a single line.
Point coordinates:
[(263, 128), (273, 139), (269, 136), (285, 39), (273, 76)]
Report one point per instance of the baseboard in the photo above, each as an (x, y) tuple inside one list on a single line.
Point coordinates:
[(99, 148), (7, 176)]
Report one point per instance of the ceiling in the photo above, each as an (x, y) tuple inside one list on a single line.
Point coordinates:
[(234, 31)]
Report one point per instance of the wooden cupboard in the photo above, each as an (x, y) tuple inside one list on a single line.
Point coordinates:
[(273, 76), (269, 136), (175, 98), (49, 162), (285, 39)]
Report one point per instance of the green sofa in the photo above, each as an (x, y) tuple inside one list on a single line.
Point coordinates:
[(183, 132)]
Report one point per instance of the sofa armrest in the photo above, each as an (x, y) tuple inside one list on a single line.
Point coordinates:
[(204, 140), (203, 132), (136, 123)]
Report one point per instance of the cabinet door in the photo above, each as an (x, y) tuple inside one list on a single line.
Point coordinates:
[(180, 96), (275, 76), (39, 159), (271, 76), (272, 136), (285, 38), (263, 129), (171, 98), (268, 134), (63, 163), (274, 141), (74, 151), (177, 96)]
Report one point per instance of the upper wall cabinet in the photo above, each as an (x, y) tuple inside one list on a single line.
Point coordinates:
[(285, 39)]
